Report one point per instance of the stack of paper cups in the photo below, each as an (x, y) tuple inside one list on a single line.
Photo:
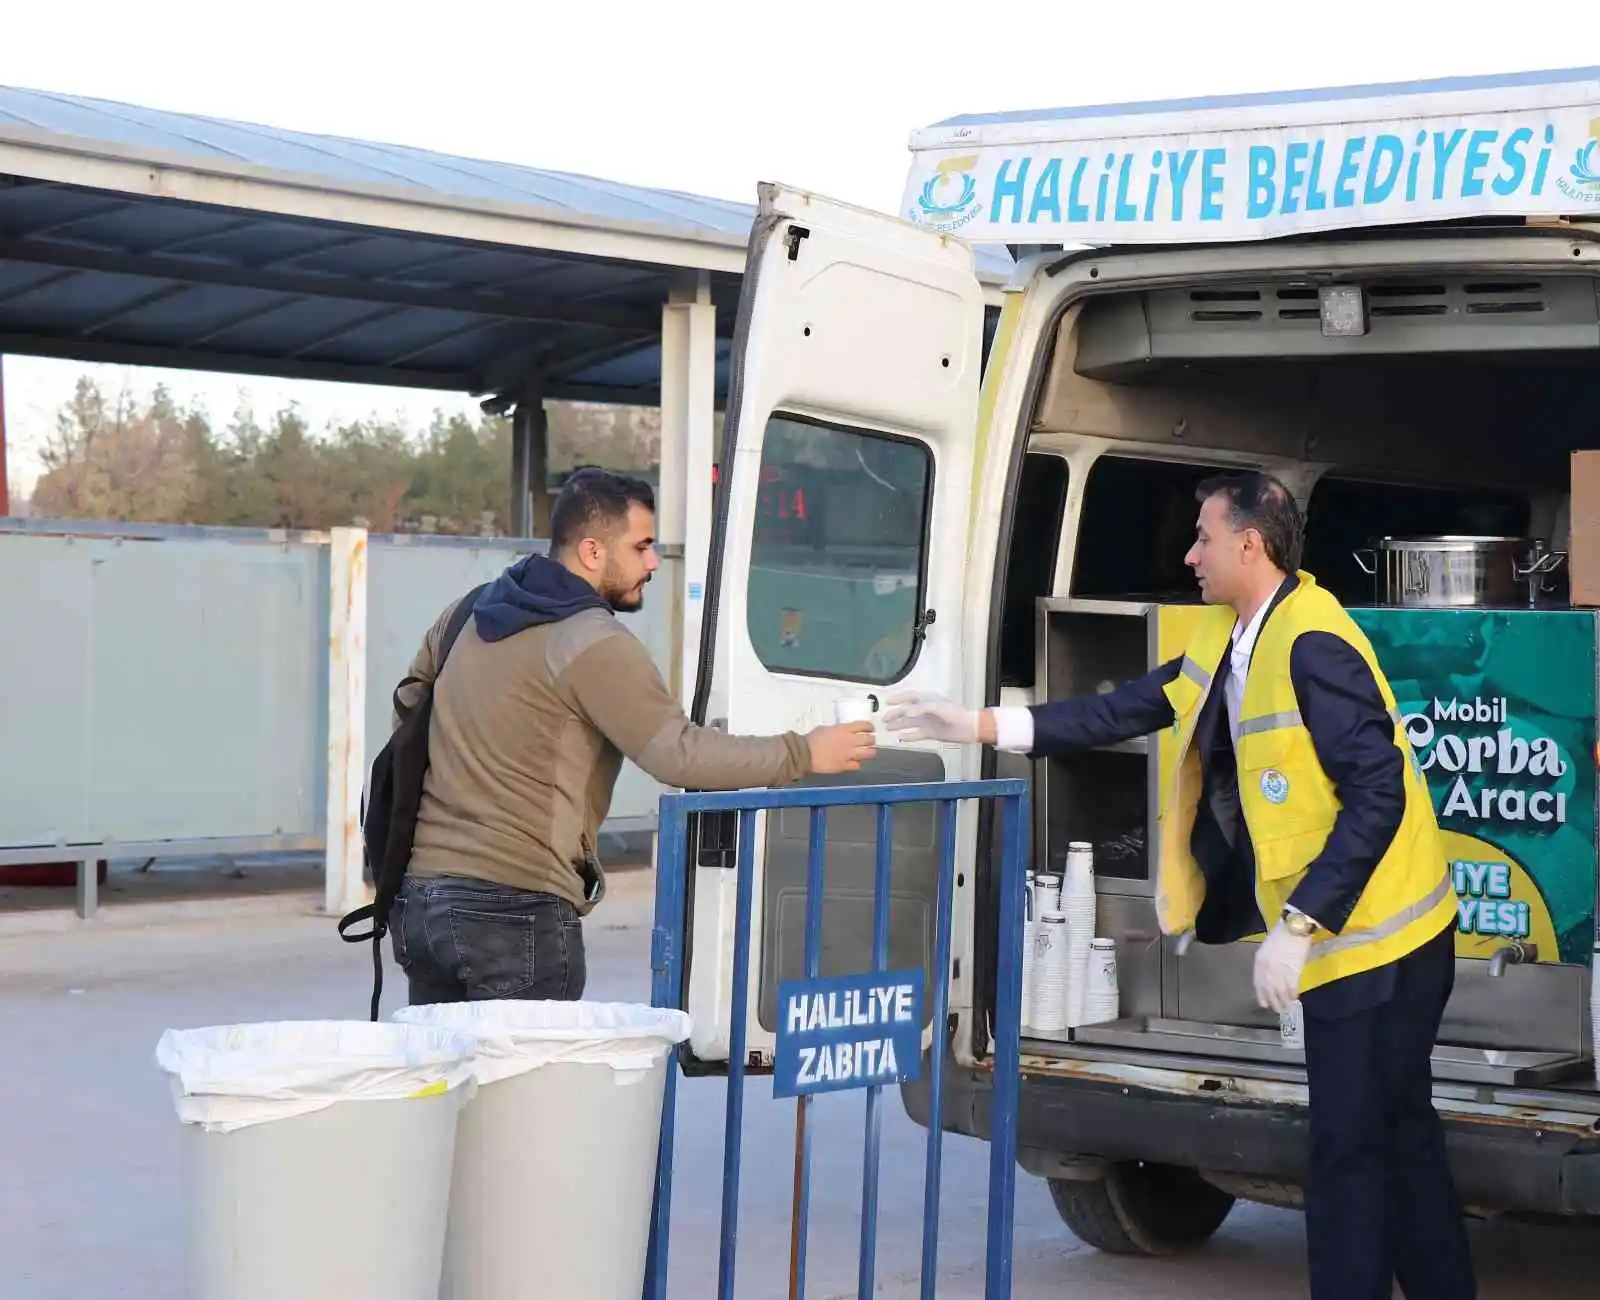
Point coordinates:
[(1100, 983), (1050, 974), (1046, 893), (1077, 905), (1030, 941), (1594, 1010), (1030, 944), (1080, 869)]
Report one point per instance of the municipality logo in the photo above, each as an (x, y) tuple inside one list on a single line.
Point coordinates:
[(950, 198), (1274, 785), (1582, 180)]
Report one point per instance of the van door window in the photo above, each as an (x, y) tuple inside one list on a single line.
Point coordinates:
[(839, 550), (1136, 525), (1347, 514), (1041, 505)]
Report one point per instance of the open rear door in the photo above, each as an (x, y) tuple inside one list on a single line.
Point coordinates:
[(836, 572)]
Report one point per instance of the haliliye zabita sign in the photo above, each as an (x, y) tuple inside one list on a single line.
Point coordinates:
[(848, 1031)]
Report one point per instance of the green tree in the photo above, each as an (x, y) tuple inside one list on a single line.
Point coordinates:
[(461, 480), (110, 458)]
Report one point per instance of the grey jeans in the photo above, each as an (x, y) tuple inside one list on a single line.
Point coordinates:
[(459, 940)]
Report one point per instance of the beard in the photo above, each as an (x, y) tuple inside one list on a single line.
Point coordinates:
[(623, 599)]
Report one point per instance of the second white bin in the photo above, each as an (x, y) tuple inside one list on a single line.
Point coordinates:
[(555, 1157)]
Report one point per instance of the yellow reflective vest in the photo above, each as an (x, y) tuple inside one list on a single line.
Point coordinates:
[(1288, 802)]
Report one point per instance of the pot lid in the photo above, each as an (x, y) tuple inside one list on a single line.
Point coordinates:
[(1451, 539)]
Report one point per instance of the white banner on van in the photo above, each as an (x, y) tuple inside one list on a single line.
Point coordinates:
[(1140, 184)]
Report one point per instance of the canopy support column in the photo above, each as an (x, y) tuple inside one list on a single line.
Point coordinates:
[(530, 460), (688, 430)]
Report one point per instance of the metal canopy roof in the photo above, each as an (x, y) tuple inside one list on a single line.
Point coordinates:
[(137, 236)]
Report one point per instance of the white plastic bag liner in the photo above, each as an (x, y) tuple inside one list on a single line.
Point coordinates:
[(227, 1077), (514, 1036)]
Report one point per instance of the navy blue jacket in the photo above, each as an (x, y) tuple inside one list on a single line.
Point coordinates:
[(1353, 735)]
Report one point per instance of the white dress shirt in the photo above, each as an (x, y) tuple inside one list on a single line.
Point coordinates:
[(1243, 643)]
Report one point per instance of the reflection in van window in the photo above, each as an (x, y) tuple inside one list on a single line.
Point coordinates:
[(836, 565), (1136, 525), (1345, 515)]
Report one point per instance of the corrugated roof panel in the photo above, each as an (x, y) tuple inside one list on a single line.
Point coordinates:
[(197, 312), (464, 351), (68, 305), (642, 369), (363, 161), (370, 162), (18, 279)]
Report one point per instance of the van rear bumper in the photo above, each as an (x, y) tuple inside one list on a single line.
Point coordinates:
[(1499, 1165)]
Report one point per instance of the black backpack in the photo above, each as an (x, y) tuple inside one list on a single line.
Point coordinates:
[(389, 812)]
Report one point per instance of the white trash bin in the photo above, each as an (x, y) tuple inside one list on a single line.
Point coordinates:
[(556, 1158), (316, 1156)]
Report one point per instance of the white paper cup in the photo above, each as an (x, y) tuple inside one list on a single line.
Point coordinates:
[(1292, 1027), (1102, 966), (1100, 1002), (1046, 893), (853, 710)]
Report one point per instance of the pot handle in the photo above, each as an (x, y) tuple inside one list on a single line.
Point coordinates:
[(1371, 570), (1546, 563)]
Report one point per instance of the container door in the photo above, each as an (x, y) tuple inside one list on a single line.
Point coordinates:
[(836, 572)]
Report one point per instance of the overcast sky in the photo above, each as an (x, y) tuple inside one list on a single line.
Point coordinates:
[(709, 96)]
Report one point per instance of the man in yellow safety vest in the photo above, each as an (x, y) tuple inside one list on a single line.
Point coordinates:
[(1296, 809)]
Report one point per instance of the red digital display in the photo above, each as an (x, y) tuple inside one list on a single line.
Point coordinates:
[(779, 501)]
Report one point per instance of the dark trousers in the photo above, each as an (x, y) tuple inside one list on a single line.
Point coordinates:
[(1380, 1203), (461, 940)]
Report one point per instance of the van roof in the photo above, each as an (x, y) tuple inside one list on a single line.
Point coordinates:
[(1251, 166), (1272, 99)]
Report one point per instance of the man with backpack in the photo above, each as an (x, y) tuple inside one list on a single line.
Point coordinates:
[(545, 692)]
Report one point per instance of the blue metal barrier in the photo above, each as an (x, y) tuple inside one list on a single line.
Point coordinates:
[(667, 960)]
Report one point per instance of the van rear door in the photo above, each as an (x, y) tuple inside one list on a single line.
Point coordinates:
[(836, 572)]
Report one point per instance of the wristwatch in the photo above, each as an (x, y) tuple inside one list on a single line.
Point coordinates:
[(1299, 924)]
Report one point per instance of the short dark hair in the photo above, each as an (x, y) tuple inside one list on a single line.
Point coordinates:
[(593, 502), (1260, 501)]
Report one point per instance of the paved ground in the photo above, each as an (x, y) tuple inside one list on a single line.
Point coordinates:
[(89, 1200)]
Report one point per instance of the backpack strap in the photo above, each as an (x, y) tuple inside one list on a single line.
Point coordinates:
[(458, 620), (369, 911), (452, 629)]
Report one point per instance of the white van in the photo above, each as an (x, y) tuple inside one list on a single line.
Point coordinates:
[(1389, 297)]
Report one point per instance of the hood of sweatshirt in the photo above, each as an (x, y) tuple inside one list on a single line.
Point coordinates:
[(533, 591)]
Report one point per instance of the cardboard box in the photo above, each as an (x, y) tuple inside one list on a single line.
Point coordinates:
[(1583, 551)]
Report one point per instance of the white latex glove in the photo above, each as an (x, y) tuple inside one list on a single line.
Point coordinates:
[(922, 715), (1279, 963)]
